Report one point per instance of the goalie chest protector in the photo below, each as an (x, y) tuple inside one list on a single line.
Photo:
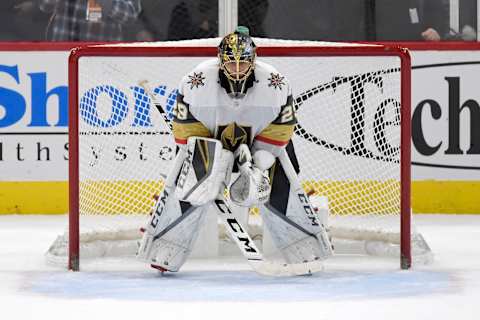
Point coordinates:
[(234, 120)]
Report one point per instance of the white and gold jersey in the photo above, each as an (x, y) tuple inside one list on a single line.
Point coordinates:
[(205, 109)]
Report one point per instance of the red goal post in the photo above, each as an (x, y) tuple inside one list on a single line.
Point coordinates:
[(287, 53)]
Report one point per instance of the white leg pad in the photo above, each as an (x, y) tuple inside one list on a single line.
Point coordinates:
[(320, 203), (268, 246), (207, 243)]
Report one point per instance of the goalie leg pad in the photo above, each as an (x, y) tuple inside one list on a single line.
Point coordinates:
[(171, 249), (295, 243), (205, 172), (171, 232), (292, 222)]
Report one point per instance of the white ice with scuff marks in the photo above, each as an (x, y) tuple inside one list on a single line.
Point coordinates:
[(351, 287)]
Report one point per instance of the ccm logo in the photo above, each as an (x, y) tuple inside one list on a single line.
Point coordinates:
[(160, 208), (307, 208), (235, 226)]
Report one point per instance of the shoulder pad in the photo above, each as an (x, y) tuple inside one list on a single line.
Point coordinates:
[(201, 77), (270, 77)]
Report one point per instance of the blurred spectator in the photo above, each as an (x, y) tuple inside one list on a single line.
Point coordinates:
[(8, 30), (327, 20), (408, 20), (347, 20), (252, 13), (32, 22), (468, 20), (150, 24), (21, 21), (199, 19), (89, 20), (194, 20)]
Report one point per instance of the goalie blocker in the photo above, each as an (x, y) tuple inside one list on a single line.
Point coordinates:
[(198, 183)]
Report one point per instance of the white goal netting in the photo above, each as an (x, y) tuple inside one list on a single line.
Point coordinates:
[(347, 141)]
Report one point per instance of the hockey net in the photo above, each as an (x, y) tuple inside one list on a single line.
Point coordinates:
[(352, 141)]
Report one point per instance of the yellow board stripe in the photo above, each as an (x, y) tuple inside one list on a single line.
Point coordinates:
[(51, 197), (446, 196), (119, 197), (362, 196), (27, 197)]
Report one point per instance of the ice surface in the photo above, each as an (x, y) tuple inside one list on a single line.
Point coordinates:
[(351, 287)]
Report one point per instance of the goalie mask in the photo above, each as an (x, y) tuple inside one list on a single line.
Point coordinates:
[(237, 60)]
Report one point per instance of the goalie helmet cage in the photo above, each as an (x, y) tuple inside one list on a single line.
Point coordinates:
[(313, 56)]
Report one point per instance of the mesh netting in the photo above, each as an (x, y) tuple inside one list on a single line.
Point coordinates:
[(347, 140)]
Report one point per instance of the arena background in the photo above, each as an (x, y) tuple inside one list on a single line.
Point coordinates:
[(34, 127), (445, 98)]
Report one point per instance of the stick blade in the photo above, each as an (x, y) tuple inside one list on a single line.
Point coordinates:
[(276, 269)]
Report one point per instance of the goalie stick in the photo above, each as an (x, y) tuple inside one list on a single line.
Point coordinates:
[(237, 232), (252, 253), (145, 85)]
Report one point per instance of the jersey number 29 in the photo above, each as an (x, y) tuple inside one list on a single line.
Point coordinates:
[(287, 114), (180, 111)]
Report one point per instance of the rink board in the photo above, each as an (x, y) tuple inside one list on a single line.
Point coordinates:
[(452, 188)]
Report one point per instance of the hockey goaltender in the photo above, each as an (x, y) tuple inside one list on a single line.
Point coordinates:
[(233, 122)]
